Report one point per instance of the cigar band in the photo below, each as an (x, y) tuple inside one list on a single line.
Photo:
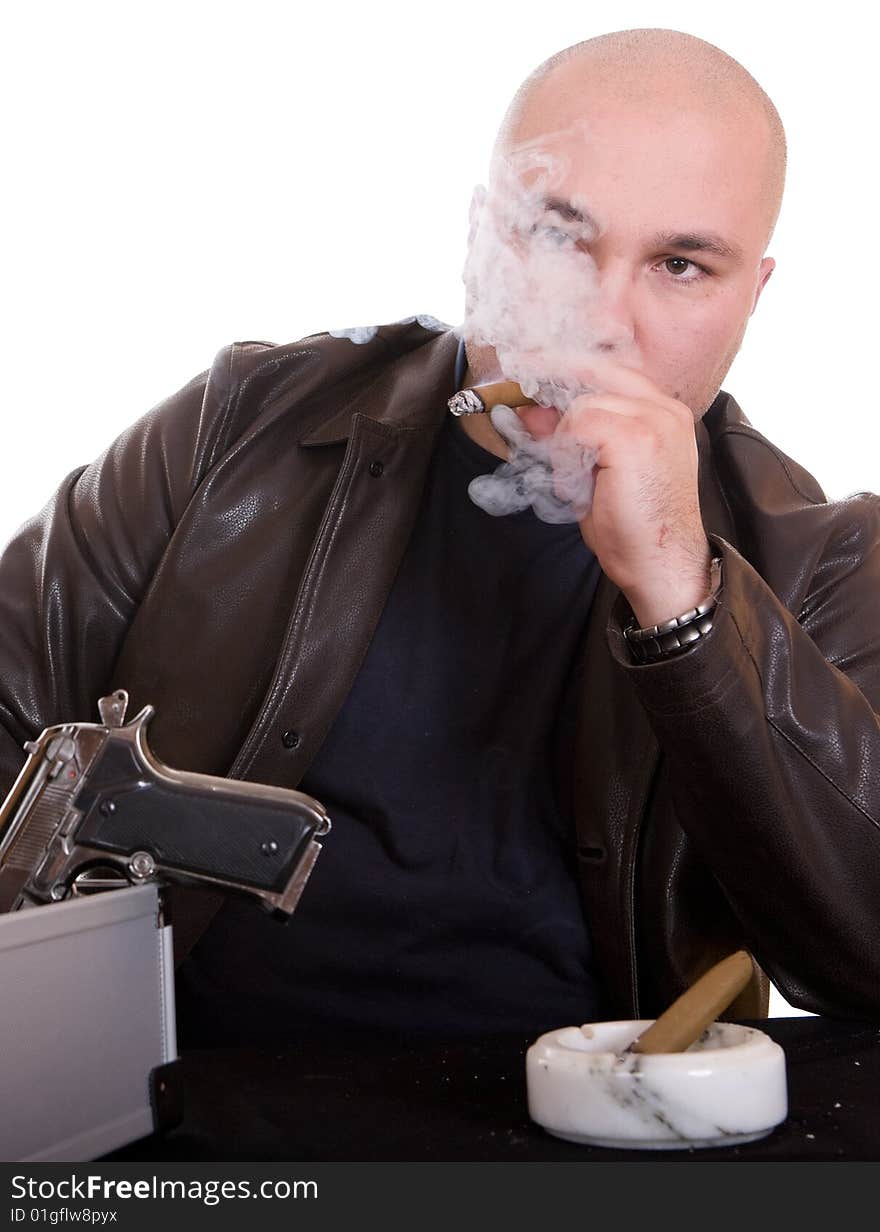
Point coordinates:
[(467, 402)]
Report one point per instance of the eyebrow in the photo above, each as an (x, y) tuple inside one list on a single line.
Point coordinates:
[(692, 241), (570, 212), (687, 241)]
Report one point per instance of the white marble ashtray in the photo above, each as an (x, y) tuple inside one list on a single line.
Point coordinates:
[(729, 1086)]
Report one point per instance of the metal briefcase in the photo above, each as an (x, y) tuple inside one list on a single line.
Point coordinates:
[(87, 1023)]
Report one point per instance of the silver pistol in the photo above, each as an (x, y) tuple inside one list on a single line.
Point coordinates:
[(93, 809)]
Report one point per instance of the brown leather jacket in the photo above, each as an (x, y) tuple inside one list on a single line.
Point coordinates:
[(227, 560)]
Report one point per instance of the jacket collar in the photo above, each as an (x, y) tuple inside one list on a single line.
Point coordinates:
[(714, 507), (717, 516), (410, 392)]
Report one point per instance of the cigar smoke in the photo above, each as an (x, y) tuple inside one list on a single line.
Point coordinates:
[(555, 480), (533, 297)]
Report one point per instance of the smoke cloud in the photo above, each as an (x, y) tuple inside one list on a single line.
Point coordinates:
[(555, 480), (533, 296)]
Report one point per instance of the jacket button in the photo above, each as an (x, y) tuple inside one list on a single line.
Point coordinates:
[(290, 739), (376, 469)]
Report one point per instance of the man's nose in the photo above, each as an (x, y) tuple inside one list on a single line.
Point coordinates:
[(613, 314)]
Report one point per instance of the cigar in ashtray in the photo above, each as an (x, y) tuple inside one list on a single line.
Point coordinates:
[(483, 398)]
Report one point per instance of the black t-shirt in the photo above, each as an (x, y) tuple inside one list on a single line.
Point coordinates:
[(444, 899)]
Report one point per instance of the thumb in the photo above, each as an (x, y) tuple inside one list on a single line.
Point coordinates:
[(539, 421)]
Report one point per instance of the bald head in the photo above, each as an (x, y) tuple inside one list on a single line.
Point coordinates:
[(655, 71)]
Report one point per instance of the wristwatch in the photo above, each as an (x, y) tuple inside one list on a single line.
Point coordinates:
[(665, 640)]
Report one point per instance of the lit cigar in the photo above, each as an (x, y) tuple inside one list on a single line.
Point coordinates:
[(484, 398)]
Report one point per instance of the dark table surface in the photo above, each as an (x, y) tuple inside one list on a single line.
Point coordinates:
[(353, 1097)]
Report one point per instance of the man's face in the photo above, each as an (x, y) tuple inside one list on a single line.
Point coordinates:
[(652, 176)]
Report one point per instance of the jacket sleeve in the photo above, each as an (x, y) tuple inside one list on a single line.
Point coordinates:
[(771, 728), (72, 577)]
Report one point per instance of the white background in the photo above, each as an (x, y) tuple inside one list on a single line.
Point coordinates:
[(181, 175)]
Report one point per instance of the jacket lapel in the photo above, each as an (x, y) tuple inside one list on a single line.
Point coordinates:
[(390, 429)]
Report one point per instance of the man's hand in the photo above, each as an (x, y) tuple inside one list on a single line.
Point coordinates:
[(644, 524)]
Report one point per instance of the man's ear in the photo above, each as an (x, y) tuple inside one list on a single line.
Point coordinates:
[(768, 265)]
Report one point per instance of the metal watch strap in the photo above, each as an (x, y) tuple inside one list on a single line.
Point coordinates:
[(672, 636)]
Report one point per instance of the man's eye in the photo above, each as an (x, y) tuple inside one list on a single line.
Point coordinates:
[(555, 235), (682, 263)]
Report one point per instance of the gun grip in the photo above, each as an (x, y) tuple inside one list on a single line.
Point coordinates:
[(191, 823)]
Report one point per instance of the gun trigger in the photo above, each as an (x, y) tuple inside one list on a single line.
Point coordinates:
[(112, 708)]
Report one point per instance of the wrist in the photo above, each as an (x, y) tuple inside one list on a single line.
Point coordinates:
[(670, 596), (669, 637)]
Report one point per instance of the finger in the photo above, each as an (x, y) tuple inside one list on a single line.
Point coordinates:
[(616, 404), (610, 433), (542, 421), (539, 421), (508, 425), (596, 371)]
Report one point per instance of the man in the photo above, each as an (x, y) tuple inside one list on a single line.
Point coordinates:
[(541, 814)]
